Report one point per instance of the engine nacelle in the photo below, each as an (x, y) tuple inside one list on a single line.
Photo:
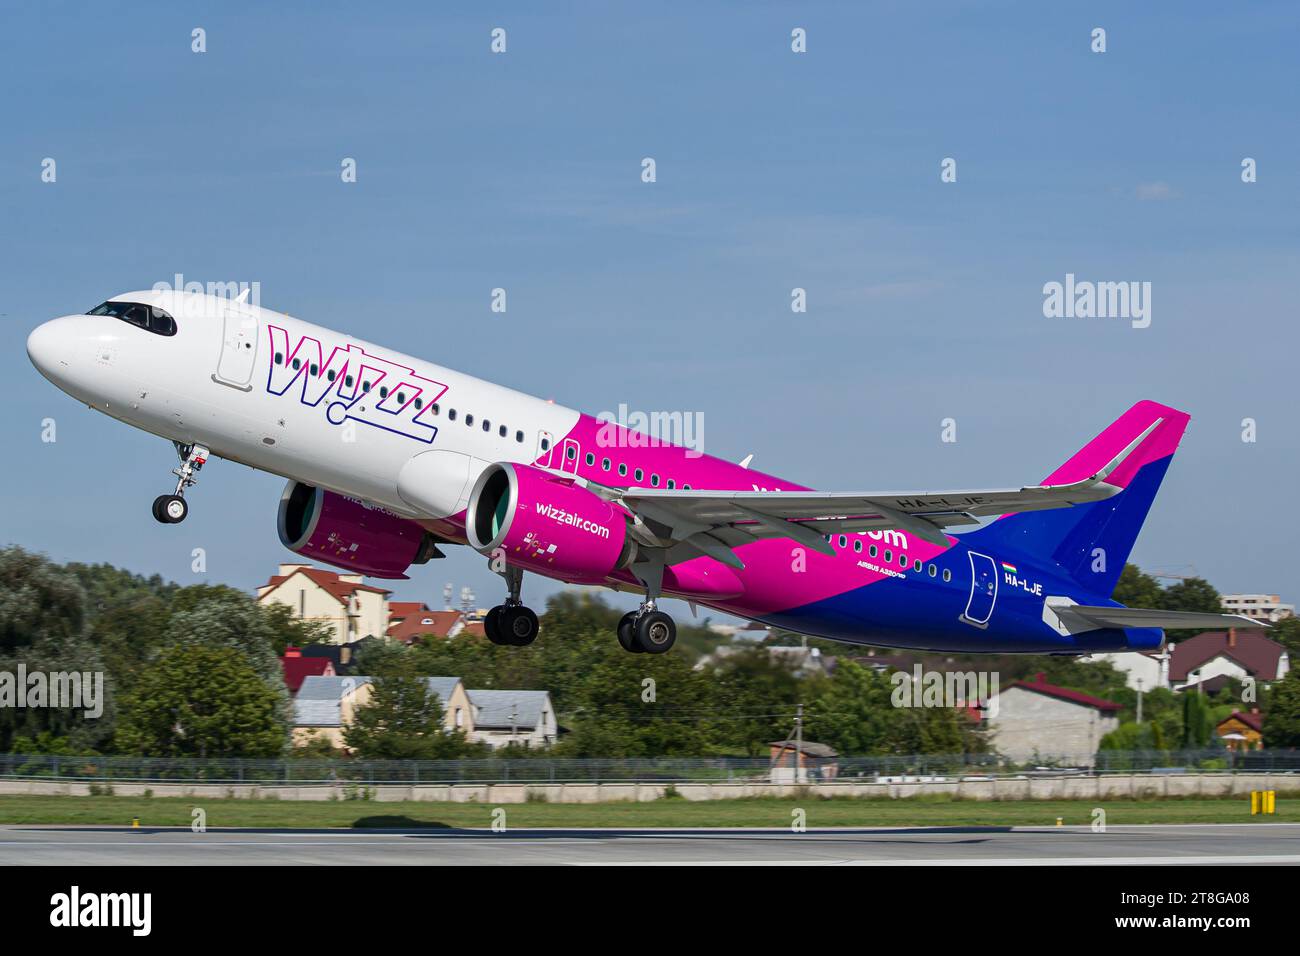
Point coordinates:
[(548, 524), (349, 533)]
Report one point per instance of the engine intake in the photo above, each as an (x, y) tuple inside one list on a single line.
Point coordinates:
[(350, 533), (546, 523)]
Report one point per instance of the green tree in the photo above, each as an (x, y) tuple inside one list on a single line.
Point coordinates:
[(1197, 727), (223, 617), (758, 694), (639, 705), (1282, 713), (1136, 588), (43, 630), (202, 701), (403, 720)]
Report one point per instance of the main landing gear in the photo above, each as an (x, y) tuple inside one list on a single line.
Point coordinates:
[(172, 509), (511, 624), (648, 630)]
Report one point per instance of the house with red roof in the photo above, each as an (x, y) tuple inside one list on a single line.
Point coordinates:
[(1212, 658), (1241, 730), (351, 608), (298, 668), (411, 620), (1031, 721)]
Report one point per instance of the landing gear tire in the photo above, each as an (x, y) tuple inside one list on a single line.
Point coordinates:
[(170, 509), (519, 625), (492, 626), (627, 633), (655, 632)]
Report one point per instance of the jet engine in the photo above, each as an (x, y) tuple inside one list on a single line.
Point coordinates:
[(547, 523), (350, 533)]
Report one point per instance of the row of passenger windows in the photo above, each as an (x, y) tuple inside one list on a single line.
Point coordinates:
[(570, 452), (434, 408), (638, 474), (873, 550)]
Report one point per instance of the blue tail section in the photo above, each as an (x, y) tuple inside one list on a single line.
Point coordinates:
[(1091, 542)]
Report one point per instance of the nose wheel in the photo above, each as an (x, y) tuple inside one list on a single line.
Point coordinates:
[(172, 509)]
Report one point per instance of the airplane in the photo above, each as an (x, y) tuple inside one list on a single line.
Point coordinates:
[(390, 458)]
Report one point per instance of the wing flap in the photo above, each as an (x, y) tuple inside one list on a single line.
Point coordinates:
[(1100, 617)]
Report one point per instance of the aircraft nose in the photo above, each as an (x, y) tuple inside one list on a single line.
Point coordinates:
[(50, 346), (43, 346)]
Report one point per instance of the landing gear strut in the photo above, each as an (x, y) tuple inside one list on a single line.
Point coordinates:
[(648, 630), (511, 624), (172, 509)]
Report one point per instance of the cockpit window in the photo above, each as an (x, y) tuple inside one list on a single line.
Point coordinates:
[(145, 316)]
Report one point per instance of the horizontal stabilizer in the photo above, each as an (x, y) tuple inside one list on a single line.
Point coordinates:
[(1081, 617)]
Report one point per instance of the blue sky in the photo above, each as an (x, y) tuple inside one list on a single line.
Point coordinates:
[(775, 170)]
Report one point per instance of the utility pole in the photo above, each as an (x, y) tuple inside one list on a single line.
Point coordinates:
[(1139, 690), (514, 719), (798, 741)]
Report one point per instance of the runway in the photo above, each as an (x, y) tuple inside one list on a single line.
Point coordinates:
[(1222, 844)]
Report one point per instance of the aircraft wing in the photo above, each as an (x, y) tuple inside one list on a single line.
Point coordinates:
[(1082, 617), (691, 522)]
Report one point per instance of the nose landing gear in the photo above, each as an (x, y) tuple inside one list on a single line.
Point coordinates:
[(172, 509)]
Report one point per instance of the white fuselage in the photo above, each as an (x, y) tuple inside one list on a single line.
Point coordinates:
[(209, 384)]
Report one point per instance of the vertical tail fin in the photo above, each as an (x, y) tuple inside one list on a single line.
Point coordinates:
[(1093, 541)]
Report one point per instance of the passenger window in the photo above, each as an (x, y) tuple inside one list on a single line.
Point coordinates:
[(347, 380), (604, 464), (889, 555), (546, 444), (843, 541), (469, 419), (519, 436), (902, 560), (487, 425), (933, 570), (570, 453), (315, 371), (590, 459), (947, 575), (279, 358), (671, 484), (874, 551), (383, 391), (502, 431), (857, 547), (451, 414), (654, 481), (917, 566), (639, 474), (622, 469)]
